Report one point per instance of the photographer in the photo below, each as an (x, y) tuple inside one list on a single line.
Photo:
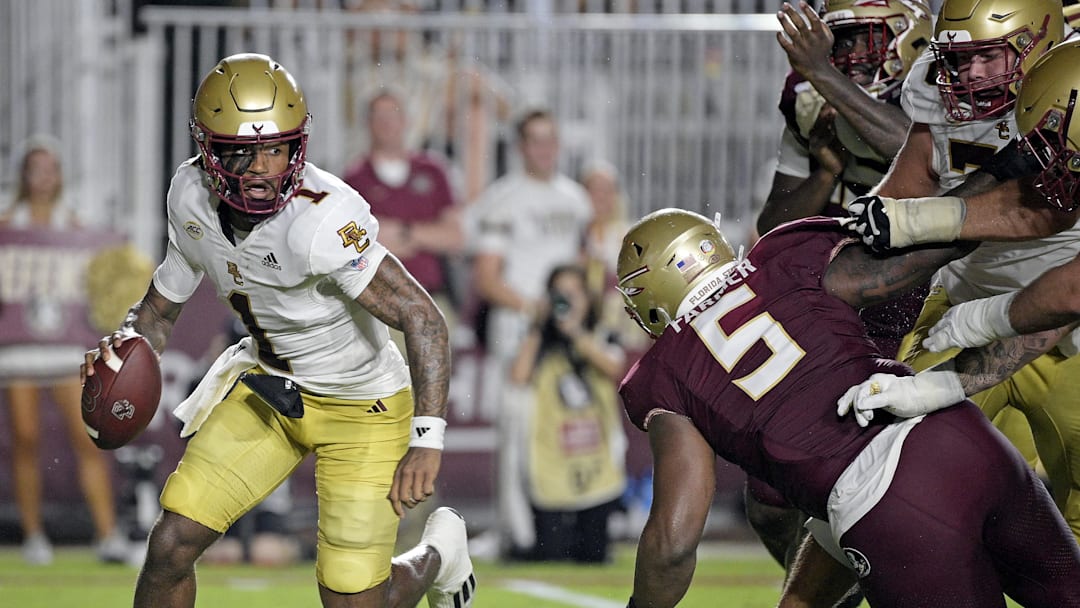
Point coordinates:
[(574, 445)]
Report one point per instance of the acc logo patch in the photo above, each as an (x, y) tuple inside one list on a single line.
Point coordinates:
[(194, 230), (858, 561), (359, 263)]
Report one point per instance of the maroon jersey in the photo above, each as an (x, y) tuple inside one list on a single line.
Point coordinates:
[(759, 364), (423, 197), (887, 323)]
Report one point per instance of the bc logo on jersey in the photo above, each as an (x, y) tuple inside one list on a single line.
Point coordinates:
[(353, 235)]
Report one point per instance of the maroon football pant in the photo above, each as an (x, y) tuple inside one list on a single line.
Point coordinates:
[(964, 521)]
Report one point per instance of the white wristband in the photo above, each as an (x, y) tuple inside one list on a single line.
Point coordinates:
[(934, 219), (427, 432)]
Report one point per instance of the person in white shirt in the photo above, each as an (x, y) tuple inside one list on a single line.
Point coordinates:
[(524, 225)]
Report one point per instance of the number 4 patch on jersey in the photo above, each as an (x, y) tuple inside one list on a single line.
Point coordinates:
[(353, 235)]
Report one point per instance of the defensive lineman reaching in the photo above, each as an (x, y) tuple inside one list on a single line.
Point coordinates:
[(293, 250), (750, 359)]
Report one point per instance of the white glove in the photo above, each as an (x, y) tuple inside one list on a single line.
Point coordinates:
[(972, 324), (904, 396)]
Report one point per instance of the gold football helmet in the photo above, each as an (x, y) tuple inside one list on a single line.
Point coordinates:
[(249, 99), (1045, 109), (664, 257), (968, 28), (900, 30)]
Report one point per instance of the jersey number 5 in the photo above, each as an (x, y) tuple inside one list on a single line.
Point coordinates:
[(728, 349)]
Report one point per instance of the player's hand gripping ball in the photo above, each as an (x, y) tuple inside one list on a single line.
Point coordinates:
[(122, 395)]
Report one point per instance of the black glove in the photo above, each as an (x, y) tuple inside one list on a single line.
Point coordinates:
[(1012, 162), (870, 221)]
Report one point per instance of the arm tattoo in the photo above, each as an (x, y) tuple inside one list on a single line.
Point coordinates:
[(154, 317), (395, 298), (864, 279), (982, 368)]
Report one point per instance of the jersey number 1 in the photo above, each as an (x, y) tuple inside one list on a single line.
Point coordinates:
[(242, 305)]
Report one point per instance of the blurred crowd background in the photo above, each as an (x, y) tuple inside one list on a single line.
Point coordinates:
[(654, 103)]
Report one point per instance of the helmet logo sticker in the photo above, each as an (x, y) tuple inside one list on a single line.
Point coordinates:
[(631, 291), (686, 264)]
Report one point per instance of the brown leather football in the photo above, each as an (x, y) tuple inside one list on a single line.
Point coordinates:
[(122, 395)]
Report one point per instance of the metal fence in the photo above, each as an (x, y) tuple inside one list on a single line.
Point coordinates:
[(682, 104)]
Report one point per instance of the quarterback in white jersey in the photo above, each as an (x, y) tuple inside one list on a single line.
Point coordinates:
[(293, 250), (286, 279)]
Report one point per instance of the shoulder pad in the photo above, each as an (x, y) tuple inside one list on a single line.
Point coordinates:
[(792, 85), (334, 232), (920, 98)]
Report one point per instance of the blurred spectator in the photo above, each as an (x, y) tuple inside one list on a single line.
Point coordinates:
[(451, 102), (575, 444), (410, 195), (602, 243), (525, 224), (29, 369)]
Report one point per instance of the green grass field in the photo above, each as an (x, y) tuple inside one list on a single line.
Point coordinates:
[(743, 576), (736, 576)]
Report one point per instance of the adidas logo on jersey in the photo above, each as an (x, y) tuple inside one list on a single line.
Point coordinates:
[(378, 408), (270, 261)]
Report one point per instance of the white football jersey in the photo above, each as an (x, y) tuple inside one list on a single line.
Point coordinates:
[(293, 282), (961, 148), (535, 226)]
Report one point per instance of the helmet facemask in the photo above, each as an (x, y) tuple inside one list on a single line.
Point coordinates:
[(1059, 180), (872, 59), (990, 97), (248, 106), (228, 177)]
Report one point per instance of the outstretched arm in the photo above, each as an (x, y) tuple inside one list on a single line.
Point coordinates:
[(809, 44), (981, 368), (395, 298), (1049, 302), (861, 278), (684, 479), (929, 390)]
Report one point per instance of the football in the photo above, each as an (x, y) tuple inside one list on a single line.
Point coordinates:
[(122, 395)]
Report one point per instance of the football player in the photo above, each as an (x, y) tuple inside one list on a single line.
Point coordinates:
[(1045, 116), (841, 106), (294, 251), (982, 50), (751, 356)]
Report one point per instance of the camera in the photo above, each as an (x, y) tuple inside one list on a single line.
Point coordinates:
[(559, 305)]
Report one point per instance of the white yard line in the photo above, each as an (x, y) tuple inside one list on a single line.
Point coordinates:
[(559, 594)]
